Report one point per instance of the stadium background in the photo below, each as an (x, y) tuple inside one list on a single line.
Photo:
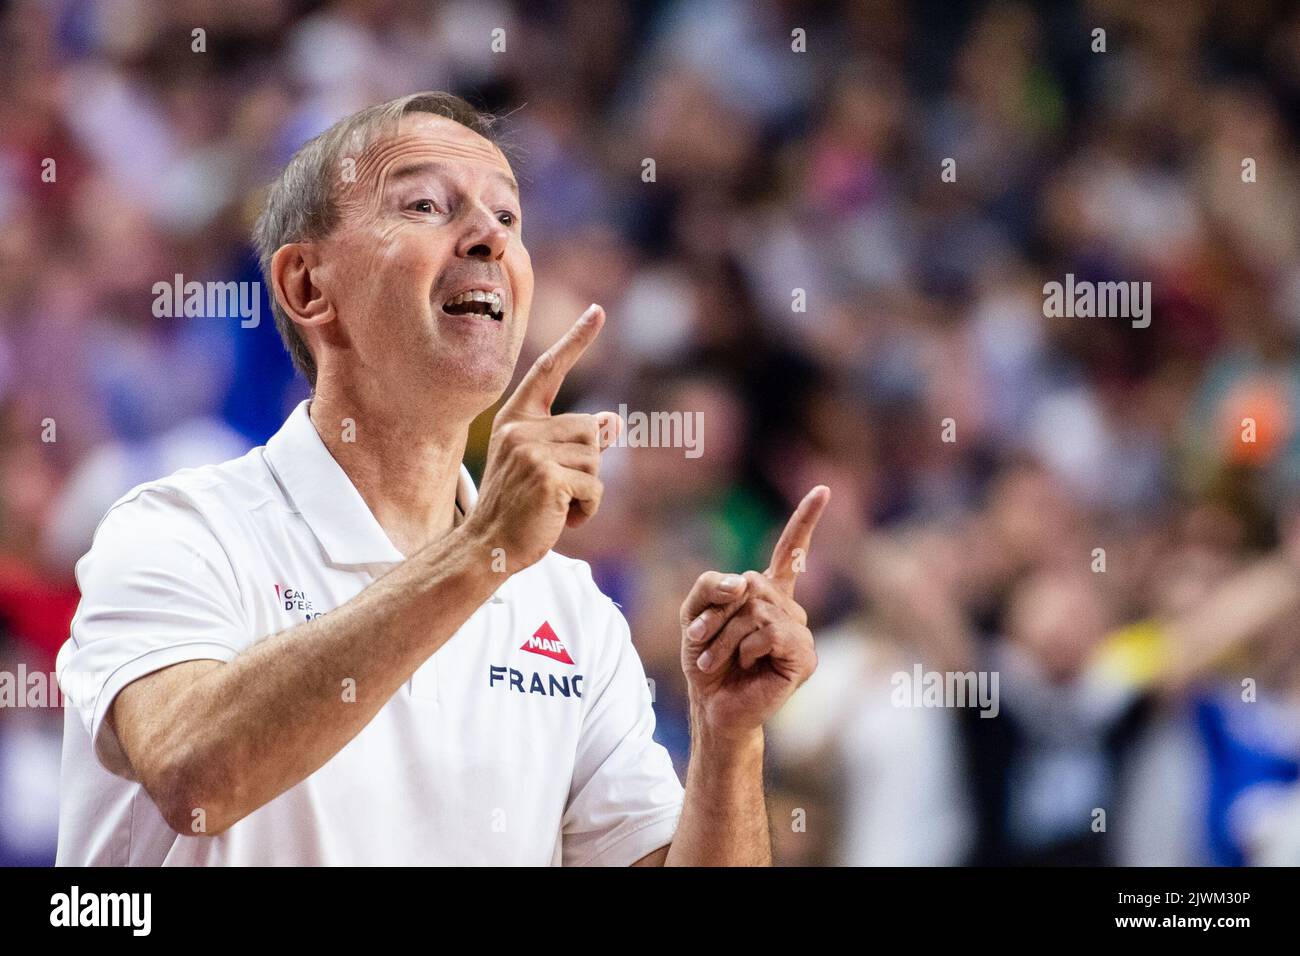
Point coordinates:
[(775, 171)]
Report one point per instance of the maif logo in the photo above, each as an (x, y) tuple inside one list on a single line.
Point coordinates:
[(545, 642)]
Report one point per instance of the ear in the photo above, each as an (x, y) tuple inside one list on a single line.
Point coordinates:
[(291, 281)]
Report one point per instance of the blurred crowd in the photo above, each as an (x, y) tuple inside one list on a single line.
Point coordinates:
[(1104, 516)]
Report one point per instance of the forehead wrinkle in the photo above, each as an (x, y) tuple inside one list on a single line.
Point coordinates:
[(377, 162), (387, 150), (421, 167)]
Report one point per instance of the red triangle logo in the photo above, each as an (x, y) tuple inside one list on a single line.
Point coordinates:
[(545, 642)]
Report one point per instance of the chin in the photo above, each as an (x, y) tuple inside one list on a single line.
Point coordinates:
[(480, 379)]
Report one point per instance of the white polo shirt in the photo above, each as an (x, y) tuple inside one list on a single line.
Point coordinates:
[(525, 739)]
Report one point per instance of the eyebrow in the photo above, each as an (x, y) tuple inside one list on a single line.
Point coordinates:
[(412, 170)]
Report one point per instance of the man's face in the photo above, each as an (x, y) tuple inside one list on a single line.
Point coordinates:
[(428, 231)]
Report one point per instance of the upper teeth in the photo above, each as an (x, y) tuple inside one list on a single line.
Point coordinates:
[(493, 298)]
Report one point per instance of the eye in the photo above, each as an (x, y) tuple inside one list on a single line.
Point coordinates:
[(507, 218), (424, 205)]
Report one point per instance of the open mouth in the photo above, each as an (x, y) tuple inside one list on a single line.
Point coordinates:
[(488, 304)]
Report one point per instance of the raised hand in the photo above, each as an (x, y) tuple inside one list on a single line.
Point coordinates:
[(542, 469), (746, 646)]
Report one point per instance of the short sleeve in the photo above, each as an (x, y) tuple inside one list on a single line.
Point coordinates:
[(625, 798), (157, 589)]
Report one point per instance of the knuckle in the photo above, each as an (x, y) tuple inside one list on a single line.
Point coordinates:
[(508, 434), (531, 455), (547, 471), (744, 620)]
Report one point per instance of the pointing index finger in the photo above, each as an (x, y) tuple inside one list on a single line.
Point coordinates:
[(542, 382), (791, 549)]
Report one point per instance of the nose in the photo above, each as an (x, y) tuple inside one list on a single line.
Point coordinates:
[(484, 237)]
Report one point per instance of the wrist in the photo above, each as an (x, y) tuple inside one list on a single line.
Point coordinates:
[(467, 558), (499, 552), (738, 746)]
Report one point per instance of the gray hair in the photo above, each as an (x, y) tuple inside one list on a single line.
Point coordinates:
[(301, 203)]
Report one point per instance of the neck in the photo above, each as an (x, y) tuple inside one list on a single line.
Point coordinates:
[(403, 460)]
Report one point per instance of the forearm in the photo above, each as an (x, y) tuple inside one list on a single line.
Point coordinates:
[(724, 816), (746, 648), (246, 731), (1238, 611)]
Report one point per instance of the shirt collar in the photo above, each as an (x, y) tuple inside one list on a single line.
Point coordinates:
[(323, 494)]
